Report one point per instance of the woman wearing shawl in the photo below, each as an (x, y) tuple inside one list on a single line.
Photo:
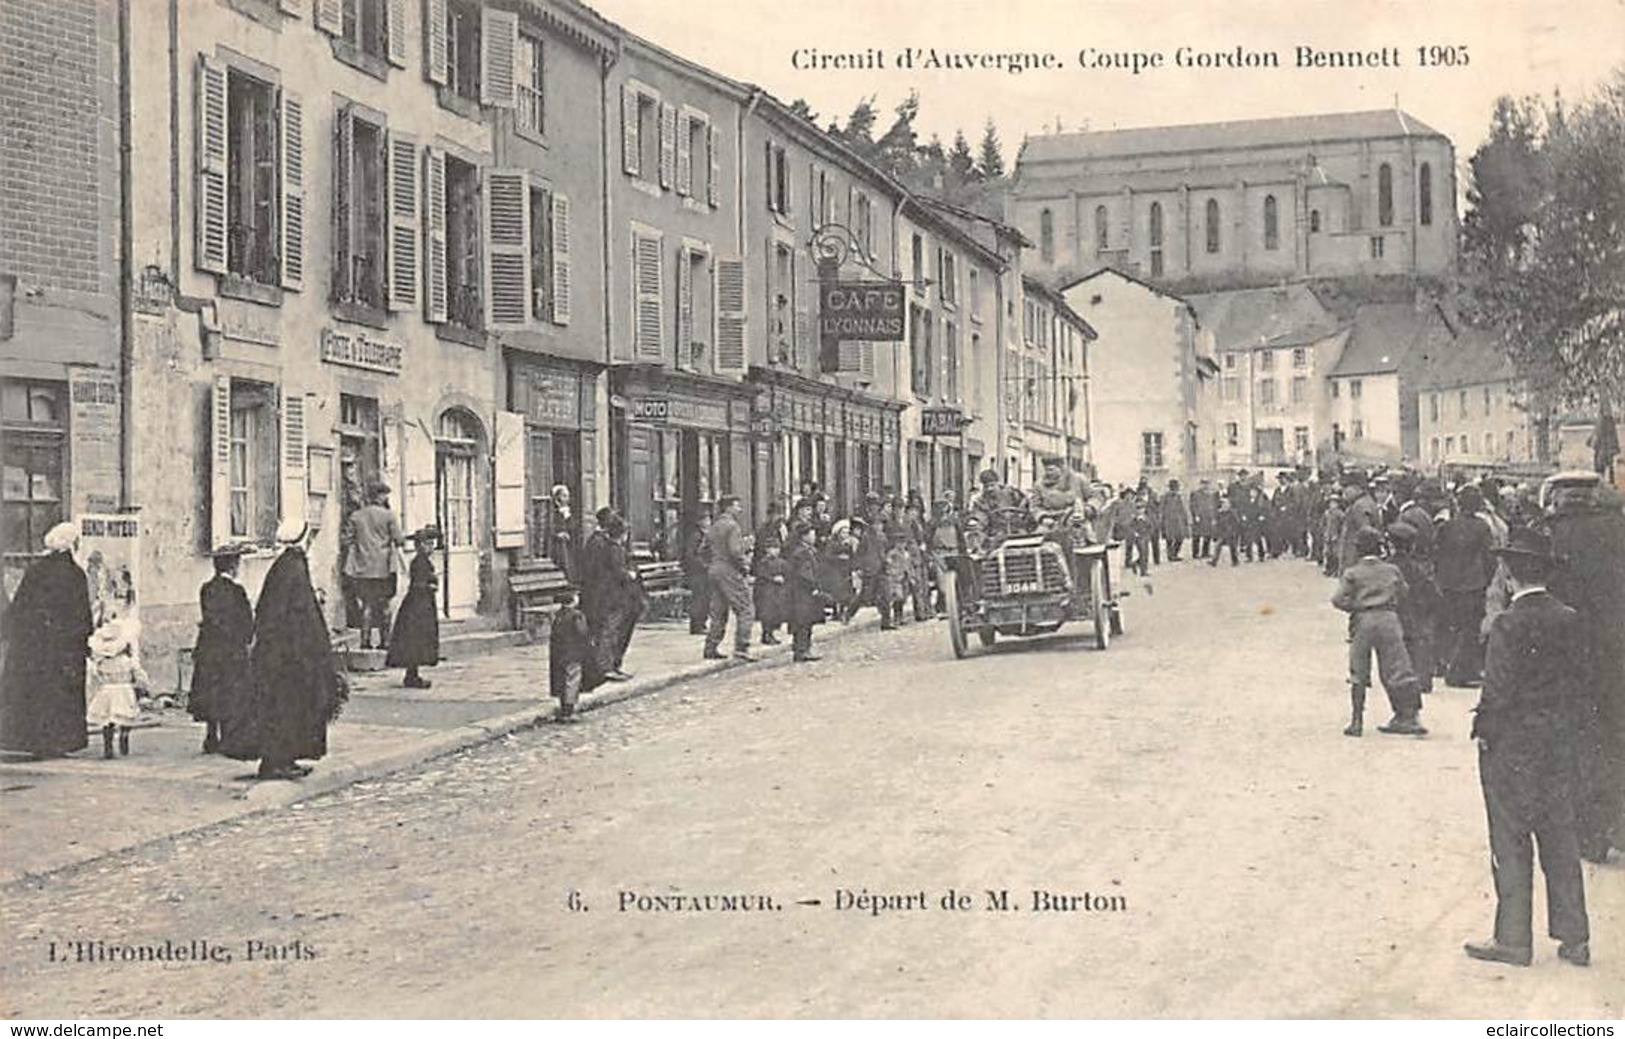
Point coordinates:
[(47, 633)]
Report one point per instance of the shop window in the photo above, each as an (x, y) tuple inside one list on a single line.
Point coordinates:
[(665, 539), (359, 210), (1385, 195), (463, 49), (530, 110), (465, 307), (1272, 224), (1151, 450), (33, 430)]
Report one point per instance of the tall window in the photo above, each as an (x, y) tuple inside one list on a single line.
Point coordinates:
[(464, 304), (1272, 227), (1266, 391), (1266, 360), (695, 163), (252, 474), (1376, 247), (358, 239), (950, 359), (1232, 434), (1046, 236), (1212, 225), (1424, 195), (1156, 238), (364, 26), (1356, 389), (1103, 236), (1385, 195), (1461, 403), (1433, 407), (1151, 450), (1489, 402), (1300, 389), (463, 48), (529, 113), (1314, 221), (252, 249), (778, 180), (1358, 429), (1300, 440), (34, 417), (864, 219), (917, 257), (920, 321), (1300, 357), (457, 440)]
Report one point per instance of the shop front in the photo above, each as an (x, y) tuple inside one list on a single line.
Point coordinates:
[(678, 444), (553, 420), (939, 460), (810, 434)]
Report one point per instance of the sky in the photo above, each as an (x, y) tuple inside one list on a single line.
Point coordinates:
[(1512, 47)]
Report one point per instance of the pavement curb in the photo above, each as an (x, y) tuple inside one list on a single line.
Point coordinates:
[(266, 796)]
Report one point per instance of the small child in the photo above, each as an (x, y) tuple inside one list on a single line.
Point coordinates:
[(113, 706), (1371, 591), (770, 592), (805, 598), (1139, 538), (572, 665)]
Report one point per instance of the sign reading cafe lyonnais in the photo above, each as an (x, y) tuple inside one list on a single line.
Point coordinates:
[(861, 310), (356, 350)]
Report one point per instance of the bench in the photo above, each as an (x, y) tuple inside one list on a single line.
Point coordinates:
[(660, 576), (665, 588), (534, 592)]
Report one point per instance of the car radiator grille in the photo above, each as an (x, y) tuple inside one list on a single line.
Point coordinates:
[(1024, 570)]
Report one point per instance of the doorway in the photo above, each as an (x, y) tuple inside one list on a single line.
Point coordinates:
[(457, 443)]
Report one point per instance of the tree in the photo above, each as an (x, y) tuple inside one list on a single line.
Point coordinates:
[(897, 145), (960, 159), (990, 161), (1509, 178), (800, 107)]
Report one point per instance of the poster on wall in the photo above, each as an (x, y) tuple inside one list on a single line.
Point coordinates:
[(110, 552), (94, 426)]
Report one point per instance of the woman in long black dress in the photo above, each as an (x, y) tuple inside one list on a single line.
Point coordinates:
[(47, 635), (415, 642), (220, 661)]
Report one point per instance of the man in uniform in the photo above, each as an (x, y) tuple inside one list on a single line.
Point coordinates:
[(730, 582), (1526, 726)]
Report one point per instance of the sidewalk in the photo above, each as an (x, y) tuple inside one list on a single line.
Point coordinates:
[(67, 811)]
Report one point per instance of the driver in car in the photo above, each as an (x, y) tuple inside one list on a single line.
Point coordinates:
[(996, 505)]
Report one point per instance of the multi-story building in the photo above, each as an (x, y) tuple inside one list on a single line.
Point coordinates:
[(1225, 205), (1275, 347), (1372, 387), (1049, 377), (837, 425), (1150, 372), (1469, 407), (680, 409), (63, 261)]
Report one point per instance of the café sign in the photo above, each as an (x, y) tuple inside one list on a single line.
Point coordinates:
[(869, 311), (941, 422), (358, 350)]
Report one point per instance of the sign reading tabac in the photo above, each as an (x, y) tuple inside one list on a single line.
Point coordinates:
[(941, 422), (356, 350), (861, 310)]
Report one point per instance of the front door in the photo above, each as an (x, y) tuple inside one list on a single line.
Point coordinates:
[(457, 509)]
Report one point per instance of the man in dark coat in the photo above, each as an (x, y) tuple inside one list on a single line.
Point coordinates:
[(220, 675), (1360, 513), (806, 598), (296, 691), (611, 597), (415, 642), (572, 659), (1204, 519), (47, 633), (1463, 567), (1176, 520), (1526, 725), (1588, 537)]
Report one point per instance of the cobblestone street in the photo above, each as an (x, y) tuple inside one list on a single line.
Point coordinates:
[(1240, 857)]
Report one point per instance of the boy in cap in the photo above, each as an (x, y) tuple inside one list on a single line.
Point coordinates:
[(1371, 591)]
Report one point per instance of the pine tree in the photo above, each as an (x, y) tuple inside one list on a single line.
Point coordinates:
[(960, 159), (990, 163)]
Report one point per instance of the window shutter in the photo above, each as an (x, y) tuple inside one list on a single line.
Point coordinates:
[(647, 276), (668, 143), (866, 362), (731, 354), (434, 235), (395, 26), (499, 41), (507, 248), (801, 329), (589, 474), (849, 357), (713, 187), (812, 195), (685, 308), (418, 496), (292, 6), (293, 191), (404, 227), (509, 477), (685, 158), (434, 41), (389, 449), (330, 16), (343, 203), (220, 464), (212, 173), (561, 259), (293, 457), (772, 197), (630, 150)]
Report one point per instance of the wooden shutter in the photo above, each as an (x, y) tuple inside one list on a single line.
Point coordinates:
[(212, 173), (294, 447), (434, 42), (802, 320), (418, 496), (507, 248), (849, 357), (866, 362), (639, 459), (685, 308), (395, 27), (434, 235), (389, 451), (343, 203), (812, 195), (561, 259), (685, 158), (772, 196), (220, 464), (292, 193), (589, 474), (737, 471), (668, 143), (731, 354), (292, 6), (330, 16), (713, 187), (647, 285), (631, 150), (499, 42), (509, 476), (404, 226)]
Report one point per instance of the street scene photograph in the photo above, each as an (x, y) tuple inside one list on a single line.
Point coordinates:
[(528, 509)]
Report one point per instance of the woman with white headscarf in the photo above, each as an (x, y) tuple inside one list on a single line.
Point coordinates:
[(47, 633)]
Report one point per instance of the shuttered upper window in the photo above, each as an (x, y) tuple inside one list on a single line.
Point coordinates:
[(646, 139), (530, 111), (464, 302), (359, 209), (463, 49), (648, 291)]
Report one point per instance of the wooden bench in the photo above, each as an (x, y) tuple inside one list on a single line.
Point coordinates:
[(535, 591), (660, 576)]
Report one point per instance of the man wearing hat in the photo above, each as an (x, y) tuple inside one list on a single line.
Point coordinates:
[(220, 660), (374, 537), (1371, 591), (611, 597), (1527, 724), (1360, 512), (1464, 566)]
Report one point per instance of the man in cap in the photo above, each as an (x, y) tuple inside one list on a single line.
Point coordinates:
[(730, 582), (1360, 512), (1464, 567), (1204, 518), (1526, 724), (1371, 591), (1176, 521), (374, 537)]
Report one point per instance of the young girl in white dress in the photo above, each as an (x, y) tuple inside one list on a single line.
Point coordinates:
[(113, 707)]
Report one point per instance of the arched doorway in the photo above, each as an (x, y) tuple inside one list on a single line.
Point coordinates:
[(458, 435)]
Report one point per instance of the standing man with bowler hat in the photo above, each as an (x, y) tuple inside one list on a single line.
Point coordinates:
[(370, 564)]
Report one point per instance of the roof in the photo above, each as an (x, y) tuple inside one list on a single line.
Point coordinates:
[(1383, 337), (1252, 319), (1246, 133), (1062, 307), (1075, 282), (1472, 357)]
